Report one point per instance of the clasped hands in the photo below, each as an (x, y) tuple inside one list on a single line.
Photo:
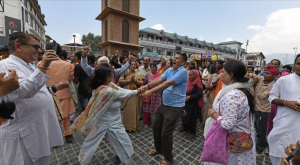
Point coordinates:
[(144, 92)]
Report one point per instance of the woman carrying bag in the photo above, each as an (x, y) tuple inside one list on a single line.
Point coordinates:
[(233, 109)]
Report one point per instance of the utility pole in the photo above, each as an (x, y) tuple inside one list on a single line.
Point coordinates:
[(247, 43), (295, 48), (286, 58)]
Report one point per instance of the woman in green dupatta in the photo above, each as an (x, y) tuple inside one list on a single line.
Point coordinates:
[(102, 117), (132, 79)]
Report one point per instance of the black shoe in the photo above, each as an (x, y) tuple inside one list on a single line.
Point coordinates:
[(69, 138)]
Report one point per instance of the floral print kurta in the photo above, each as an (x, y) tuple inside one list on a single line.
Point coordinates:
[(155, 97), (233, 108)]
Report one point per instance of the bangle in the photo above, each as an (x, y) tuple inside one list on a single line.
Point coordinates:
[(42, 68), (212, 115), (284, 103)]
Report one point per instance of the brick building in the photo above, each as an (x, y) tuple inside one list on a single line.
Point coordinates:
[(120, 26)]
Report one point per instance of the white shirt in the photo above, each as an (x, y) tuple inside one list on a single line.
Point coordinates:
[(35, 118), (286, 122)]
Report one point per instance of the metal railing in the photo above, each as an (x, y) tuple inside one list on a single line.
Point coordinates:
[(188, 48)]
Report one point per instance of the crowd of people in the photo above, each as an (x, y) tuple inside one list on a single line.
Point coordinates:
[(106, 98)]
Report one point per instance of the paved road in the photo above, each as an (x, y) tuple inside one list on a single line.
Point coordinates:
[(186, 152)]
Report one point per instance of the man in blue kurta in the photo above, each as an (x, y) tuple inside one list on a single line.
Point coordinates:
[(169, 112)]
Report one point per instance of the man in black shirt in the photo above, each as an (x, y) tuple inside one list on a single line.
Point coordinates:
[(84, 94)]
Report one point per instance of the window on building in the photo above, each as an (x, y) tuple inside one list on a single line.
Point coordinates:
[(199, 46), (26, 16), (25, 3), (158, 38), (23, 22), (125, 31), (150, 36), (105, 3), (125, 53), (180, 42), (31, 22), (106, 53), (170, 40), (191, 44), (105, 31), (169, 53), (149, 50), (125, 5), (158, 51)]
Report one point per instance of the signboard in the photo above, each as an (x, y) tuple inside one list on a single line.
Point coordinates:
[(150, 54), (206, 57), (12, 25)]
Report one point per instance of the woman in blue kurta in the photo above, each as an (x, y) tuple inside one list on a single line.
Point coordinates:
[(102, 117)]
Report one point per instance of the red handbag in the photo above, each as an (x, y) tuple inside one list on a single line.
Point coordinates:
[(240, 141)]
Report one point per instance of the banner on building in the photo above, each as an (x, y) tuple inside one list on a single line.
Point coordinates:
[(12, 25), (150, 54)]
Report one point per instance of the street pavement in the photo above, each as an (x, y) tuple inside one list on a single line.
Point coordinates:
[(185, 151)]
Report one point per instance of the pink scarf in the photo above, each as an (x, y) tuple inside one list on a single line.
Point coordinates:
[(156, 75)]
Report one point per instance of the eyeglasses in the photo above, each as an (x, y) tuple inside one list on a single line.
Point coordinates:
[(36, 47)]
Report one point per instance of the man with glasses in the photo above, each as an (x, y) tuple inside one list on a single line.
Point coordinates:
[(28, 137)]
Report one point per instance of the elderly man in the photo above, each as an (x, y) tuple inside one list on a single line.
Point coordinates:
[(89, 70), (174, 84), (285, 93), (28, 138)]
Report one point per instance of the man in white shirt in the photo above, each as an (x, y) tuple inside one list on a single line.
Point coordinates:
[(28, 138), (145, 69), (285, 93)]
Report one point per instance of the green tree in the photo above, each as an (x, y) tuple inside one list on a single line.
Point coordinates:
[(93, 40)]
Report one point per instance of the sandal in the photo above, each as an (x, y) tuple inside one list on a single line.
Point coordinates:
[(166, 162), (153, 152)]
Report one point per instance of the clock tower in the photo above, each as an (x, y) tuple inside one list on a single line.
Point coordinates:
[(120, 26)]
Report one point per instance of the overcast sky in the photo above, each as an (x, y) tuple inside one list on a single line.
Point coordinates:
[(270, 26)]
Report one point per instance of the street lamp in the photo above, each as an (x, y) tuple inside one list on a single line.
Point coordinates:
[(74, 36), (247, 43), (286, 58), (295, 48)]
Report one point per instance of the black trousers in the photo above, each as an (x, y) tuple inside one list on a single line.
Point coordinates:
[(261, 121), (165, 121)]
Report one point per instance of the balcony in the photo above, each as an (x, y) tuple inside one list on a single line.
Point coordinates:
[(186, 48)]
